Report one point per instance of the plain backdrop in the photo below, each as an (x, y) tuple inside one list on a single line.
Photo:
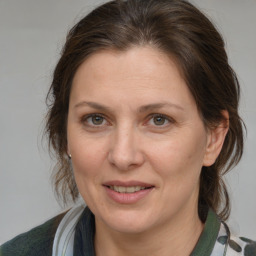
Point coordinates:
[(32, 33)]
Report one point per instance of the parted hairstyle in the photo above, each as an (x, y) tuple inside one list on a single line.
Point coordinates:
[(182, 32)]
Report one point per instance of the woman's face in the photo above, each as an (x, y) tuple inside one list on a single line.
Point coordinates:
[(136, 139)]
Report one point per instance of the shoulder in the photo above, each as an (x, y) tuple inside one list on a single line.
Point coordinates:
[(38, 241)]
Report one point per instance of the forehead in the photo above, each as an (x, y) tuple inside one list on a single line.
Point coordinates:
[(135, 60), (142, 72)]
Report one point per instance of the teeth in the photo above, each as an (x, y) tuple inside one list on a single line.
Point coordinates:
[(121, 189)]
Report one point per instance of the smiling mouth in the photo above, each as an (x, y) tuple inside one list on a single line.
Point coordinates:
[(132, 189), (127, 192)]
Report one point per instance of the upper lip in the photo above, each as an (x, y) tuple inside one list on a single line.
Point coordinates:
[(131, 183)]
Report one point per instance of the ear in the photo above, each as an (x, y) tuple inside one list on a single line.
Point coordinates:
[(215, 140)]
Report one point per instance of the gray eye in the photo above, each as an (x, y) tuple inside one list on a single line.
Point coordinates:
[(97, 120), (159, 120)]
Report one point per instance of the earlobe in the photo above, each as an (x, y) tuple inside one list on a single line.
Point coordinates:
[(215, 140), (68, 152)]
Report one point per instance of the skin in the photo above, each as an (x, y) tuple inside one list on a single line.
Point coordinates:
[(126, 143)]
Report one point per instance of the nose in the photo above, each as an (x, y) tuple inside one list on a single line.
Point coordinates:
[(125, 150)]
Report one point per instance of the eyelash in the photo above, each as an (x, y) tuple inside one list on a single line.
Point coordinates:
[(85, 118)]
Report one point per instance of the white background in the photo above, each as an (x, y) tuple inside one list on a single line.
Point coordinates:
[(32, 33)]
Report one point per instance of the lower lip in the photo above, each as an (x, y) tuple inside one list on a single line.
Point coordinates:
[(127, 198)]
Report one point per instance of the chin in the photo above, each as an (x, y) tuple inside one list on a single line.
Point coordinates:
[(128, 221), (129, 227)]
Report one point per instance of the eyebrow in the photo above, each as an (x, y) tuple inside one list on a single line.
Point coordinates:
[(154, 106), (92, 105), (141, 109)]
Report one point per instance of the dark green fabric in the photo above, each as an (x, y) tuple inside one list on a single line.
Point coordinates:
[(39, 241), (36, 242), (208, 237)]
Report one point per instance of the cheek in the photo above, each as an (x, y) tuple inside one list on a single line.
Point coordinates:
[(87, 162), (87, 155), (179, 159)]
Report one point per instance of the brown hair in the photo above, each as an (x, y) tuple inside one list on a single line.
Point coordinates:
[(180, 30)]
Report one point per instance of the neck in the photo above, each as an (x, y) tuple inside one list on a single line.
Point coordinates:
[(179, 236)]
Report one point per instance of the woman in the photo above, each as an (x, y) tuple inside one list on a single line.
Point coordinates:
[(143, 116)]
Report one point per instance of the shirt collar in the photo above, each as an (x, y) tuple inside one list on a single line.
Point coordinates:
[(209, 235)]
